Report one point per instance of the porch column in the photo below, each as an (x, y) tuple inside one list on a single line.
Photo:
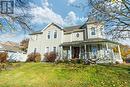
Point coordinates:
[(113, 55), (85, 51), (80, 52), (70, 52), (119, 50), (107, 46), (107, 50), (61, 52)]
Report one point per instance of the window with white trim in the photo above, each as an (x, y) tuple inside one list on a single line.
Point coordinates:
[(93, 31), (55, 34), (77, 34), (54, 49), (49, 35), (47, 49)]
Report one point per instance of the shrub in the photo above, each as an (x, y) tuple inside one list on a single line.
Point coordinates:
[(59, 61), (127, 60), (66, 60), (117, 62), (50, 56), (34, 57), (77, 60), (3, 57)]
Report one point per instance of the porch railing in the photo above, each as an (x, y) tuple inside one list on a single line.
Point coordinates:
[(102, 56)]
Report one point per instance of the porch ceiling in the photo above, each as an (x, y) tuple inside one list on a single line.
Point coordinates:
[(90, 41)]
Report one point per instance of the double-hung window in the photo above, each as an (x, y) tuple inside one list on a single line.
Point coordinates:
[(47, 49), (55, 34), (93, 31), (54, 49), (49, 35)]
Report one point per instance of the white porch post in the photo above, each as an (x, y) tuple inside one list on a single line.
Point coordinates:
[(85, 51), (106, 52), (80, 52), (61, 52), (107, 46), (70, 52), (119, 50), (113, 55)]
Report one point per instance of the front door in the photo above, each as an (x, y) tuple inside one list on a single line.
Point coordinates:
[(76, 52)]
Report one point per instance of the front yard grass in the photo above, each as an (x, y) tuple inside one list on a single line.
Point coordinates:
[(66, 75)]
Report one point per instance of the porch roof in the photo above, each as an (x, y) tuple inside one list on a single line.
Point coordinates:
[(90, 41)]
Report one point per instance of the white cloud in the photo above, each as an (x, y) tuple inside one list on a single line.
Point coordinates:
[(45, 14), (7, 35), (45, 3), (72, 19), (71, 1), (12, 37)]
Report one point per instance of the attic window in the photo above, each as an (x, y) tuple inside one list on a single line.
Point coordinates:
[(77, 35)]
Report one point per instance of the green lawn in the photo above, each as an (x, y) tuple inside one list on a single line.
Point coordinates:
[(65, 75)]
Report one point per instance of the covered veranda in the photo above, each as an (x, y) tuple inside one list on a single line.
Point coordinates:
[(92, 48)]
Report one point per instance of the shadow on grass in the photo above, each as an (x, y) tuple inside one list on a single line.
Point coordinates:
[(129, 70), (117, 66)]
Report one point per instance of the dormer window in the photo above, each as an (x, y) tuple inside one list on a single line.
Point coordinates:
[(49, 33), (55, 34), (93, 31)]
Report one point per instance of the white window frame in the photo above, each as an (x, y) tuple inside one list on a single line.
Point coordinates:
[(77, 35), (55, 49), (93, 30), (54, 34), (49, 33), (47, 49)]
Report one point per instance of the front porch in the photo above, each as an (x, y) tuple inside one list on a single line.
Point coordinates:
[(102, 50)]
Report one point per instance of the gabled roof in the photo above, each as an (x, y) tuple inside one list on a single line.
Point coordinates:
[(54, 25), (41, 31), (9, 46), (66, 29), (71, 28)]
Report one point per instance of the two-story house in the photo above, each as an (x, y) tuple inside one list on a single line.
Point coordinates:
[(83, 41)]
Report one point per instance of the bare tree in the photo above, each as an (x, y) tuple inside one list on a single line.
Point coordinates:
[(20, 16), (115, 14)]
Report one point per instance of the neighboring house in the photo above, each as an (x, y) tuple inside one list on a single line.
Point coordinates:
[(85, 41), (9, 47), (13, 50)]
